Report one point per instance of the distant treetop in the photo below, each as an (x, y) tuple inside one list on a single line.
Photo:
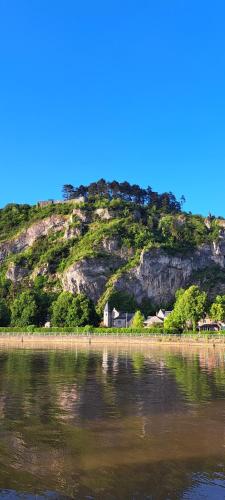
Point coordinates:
[(124, 191)]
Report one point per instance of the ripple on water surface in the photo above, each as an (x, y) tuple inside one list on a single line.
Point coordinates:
[(140, 423)]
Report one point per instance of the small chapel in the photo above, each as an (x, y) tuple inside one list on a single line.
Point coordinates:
[(116, 319)]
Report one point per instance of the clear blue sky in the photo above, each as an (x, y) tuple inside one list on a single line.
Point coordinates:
[(132, 90)]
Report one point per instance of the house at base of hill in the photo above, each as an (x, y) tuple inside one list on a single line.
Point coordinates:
[(208, 325), (116, 319), (212, 327), (158, 319)]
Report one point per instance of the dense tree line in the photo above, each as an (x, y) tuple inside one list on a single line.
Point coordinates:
[(34, 307), (126, 192)]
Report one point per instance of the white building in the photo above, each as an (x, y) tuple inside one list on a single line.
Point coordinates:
[(115, 318)]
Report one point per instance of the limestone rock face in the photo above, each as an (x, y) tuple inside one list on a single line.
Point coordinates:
[(90, 276), (16, 273), (27, 237), (81, 215), (42, 270), (103, 213), (72, 232), (157, 276), (160, 274), (112, 247)]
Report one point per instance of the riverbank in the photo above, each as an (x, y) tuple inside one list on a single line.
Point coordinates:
[(26, 340)]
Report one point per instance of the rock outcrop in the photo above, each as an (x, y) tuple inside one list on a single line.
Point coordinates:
[(103, 213), (27, 237), (16, 273), (157, 276), (90, 276)]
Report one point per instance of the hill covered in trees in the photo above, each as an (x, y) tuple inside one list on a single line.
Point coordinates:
[(123, 243), (126, 192)]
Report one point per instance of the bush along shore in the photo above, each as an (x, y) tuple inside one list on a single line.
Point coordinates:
[(89, 331)]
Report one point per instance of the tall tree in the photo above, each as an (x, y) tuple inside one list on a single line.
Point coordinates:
[(68, 192), (69, 310), (138, 320), (217, 310), (189, 308), (24, 310)]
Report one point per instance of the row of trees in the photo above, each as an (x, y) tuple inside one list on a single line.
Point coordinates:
[(67, 310), (124, 191), (191, 305), (34, 308)]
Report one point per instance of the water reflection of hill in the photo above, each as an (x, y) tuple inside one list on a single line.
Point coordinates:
[(87, 422)]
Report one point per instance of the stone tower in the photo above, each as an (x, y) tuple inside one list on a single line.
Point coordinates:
[(107, 315)]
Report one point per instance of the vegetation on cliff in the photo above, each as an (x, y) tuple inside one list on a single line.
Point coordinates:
[(116, 222)]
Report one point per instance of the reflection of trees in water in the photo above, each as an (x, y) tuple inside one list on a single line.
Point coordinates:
[(66, 413), (86, 384), (201, 376)]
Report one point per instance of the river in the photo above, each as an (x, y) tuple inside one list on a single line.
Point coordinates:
[(112, 423)]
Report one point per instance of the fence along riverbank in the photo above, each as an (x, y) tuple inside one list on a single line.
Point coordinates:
[(100, 338)]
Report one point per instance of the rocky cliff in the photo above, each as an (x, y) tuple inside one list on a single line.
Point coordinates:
[(157, 276), (99, 249)]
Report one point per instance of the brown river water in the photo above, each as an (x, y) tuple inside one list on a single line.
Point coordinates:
[(104, 422)]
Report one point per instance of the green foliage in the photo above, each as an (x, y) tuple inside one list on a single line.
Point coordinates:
[(88, 329), (140, 219), (146, 307), (192, 305), (69, 310), (138, 320), (45, 250), (122, 301), (189, 308), (183, 231), (60, 309), (66, 330), (215, 230), (138, 362), (189, 376), (43, 301), (105, 190), (24, 309), (12, 217), (113, 278), (173, 323), (209, 277), (4, 313), (82, 311), (15, 217), (5, 286), (217, 310)]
